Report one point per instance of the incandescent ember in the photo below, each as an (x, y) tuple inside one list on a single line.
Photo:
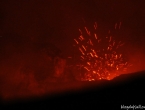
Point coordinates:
[(100, 58)]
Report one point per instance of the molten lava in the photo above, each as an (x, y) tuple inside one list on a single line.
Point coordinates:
[(40, 69), (101, 58)]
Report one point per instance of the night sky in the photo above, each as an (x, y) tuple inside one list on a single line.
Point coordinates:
[(58, 21)]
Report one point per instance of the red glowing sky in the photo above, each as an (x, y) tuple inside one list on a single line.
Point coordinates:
[(57, 22)]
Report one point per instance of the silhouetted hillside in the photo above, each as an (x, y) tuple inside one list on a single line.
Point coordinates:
[(125, 89)]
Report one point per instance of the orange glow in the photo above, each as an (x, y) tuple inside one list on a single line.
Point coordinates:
[(101, 57)]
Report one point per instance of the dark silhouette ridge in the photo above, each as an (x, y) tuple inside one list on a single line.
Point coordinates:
[(125, 89)]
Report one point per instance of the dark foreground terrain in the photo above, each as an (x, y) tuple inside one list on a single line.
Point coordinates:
[(127, 89)]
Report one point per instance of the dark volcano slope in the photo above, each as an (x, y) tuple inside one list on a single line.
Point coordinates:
[(126, 89)]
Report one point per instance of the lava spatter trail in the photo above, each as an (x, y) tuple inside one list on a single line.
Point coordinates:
[(101, 58)]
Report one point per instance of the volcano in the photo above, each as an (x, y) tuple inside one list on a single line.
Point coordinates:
[(124, 89)]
